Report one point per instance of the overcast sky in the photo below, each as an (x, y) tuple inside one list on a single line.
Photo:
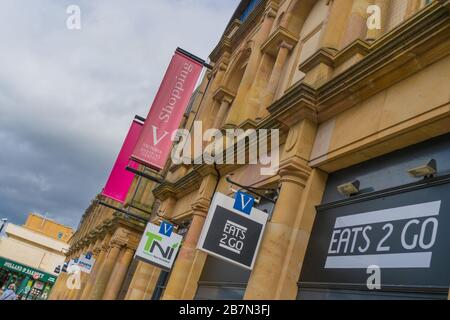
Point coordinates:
[(67, 97)]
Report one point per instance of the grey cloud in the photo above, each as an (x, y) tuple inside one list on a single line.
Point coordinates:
[(67, 97)]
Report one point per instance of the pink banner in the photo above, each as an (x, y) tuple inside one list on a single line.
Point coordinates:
[(120, 179), (166, 112)]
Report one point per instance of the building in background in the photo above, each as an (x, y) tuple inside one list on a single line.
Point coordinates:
[(29, 257), (364, 117), (48, 227)]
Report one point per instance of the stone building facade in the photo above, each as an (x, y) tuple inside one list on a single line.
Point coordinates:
[(346, 99)]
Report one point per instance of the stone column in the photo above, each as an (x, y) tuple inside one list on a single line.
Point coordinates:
[(105, 271), (238, 111), (223, 111), (374, 34), (99, 251), (59, 287), (118, 274), (357, 22), (68, 294), (335, 24), (272, 86), (83, 278), (143, 283), (253, 98), (272, 271), (205, 110), (186, 272)]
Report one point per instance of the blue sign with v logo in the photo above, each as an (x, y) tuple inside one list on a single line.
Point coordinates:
[(243, 202), (166, 229)]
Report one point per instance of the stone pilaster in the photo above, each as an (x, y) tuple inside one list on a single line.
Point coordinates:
[(143, 283), (225, 99), (274, 80), (105, 271), (186, 272), (99, 251), (119, 273), (238, 111), (374, 34), (357, 22), (84, 277), (281, 234), (336, 23), (253, 99)]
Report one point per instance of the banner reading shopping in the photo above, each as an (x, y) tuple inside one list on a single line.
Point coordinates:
[(154, 144), (120, 179)]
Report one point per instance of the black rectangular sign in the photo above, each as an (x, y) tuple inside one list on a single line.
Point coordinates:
[(404, 232), (230, 234)]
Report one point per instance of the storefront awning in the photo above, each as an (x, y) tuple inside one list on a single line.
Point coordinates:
[(29, 271)]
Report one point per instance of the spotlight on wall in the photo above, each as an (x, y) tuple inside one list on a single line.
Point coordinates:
[(427, 170), (349, 188)]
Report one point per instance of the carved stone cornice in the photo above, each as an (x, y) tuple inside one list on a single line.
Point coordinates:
[(408, 48), (124, 237), (321, 56), (231, 40), (294, 170), (418, 42), (185, 185), (280, 37), (296, 104), (223, 47), (223, 93)]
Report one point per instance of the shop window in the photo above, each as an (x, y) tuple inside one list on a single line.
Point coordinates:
[(221, 280)]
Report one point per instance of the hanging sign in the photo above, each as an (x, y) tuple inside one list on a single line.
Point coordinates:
[(86, 262), (120, 179), (167, 110), (230, 234), (159, 245)]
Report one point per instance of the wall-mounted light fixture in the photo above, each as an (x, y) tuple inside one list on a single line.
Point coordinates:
[(349, 188), (427, 170)]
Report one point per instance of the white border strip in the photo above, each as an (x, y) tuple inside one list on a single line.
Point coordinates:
[(394, 260), (408, 212)]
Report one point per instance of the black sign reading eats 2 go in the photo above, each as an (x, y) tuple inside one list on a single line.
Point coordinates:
[(231, 235), (403, 231)]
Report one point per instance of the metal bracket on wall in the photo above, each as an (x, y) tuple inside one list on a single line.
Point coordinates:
[(160, 214), (255, 191), (126, 213), (145, 175)]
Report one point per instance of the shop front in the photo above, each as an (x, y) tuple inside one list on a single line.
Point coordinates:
[(31, 284), (390, 240)]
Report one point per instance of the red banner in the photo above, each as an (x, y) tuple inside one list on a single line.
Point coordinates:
[(120, 179), (166, 112)]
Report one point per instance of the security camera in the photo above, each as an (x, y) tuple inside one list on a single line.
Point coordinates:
[(349, 188), (424, 171)]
